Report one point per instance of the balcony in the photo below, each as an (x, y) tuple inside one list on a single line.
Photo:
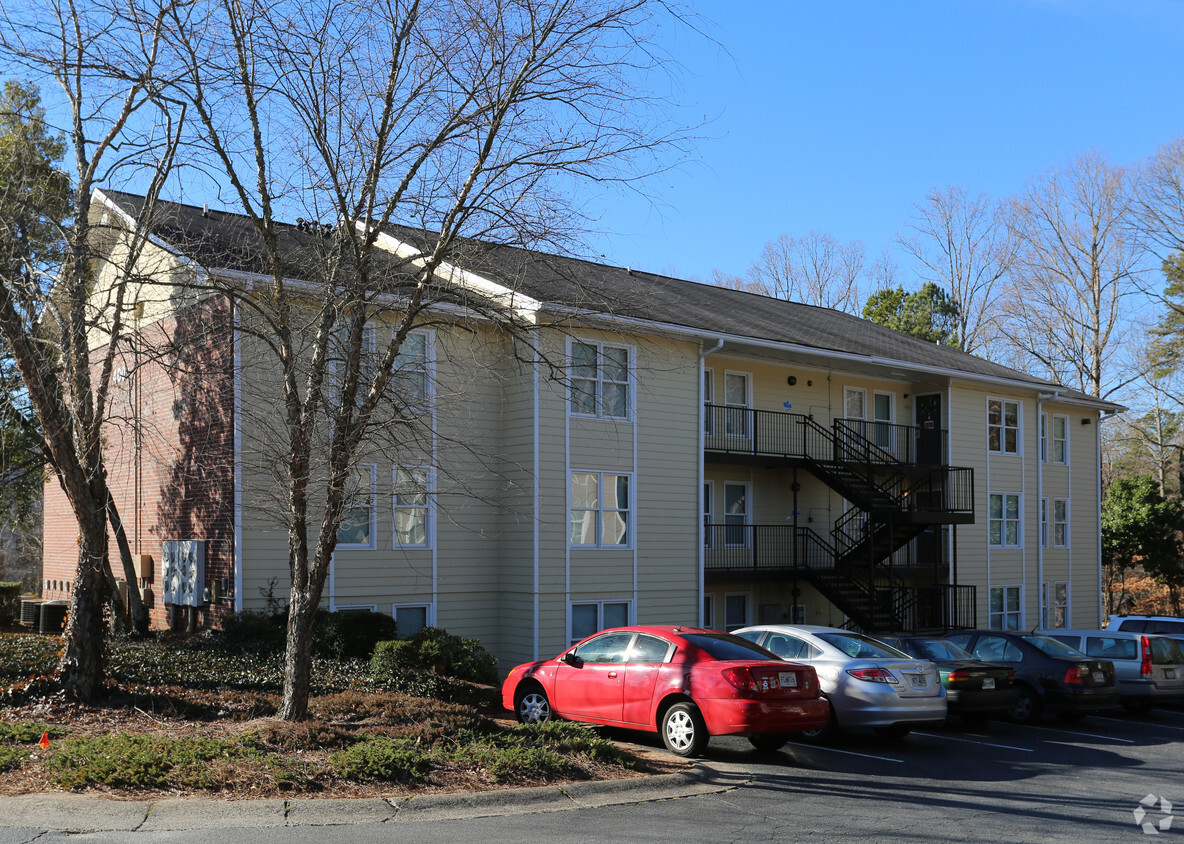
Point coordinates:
[(775, 550)]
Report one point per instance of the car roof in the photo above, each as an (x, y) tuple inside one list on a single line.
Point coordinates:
[(802, 628)]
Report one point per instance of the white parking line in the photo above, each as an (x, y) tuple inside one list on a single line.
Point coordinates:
[(1076, 733), (846, 752), (1152, 724), (974, 741)]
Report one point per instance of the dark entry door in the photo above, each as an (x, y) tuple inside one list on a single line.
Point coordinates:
[(929, 424)]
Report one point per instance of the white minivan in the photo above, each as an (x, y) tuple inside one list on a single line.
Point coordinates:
[(1149, 669)]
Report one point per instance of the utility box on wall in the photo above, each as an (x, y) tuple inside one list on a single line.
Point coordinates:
[(184, 571)]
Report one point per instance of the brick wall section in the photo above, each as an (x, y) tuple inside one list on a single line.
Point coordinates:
[(175, 480)]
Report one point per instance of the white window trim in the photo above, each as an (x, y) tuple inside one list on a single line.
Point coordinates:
[(1003, 428), (1044, 520), (1005, 612), (1054, 440), (1068, 584), (1053, 521), (748, 399), (429, 507), (630, 511), (708, 399), (373, 543), (429, 615), (747, 596), (630, 379), (709, 611), (1044, 438), (1019, 521), (747, 514), (429, 352), (630, 617), (708, 511), (354, 607)]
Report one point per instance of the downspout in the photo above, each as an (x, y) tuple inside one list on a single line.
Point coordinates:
[(719, 344), (1045, 526)]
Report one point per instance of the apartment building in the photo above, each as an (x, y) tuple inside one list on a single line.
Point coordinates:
[(670, 452)]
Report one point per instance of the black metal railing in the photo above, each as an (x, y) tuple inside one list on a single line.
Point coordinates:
[(938, 607), (735, 547), (892, 443)]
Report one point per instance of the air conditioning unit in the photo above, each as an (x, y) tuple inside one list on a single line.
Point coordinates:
[(31, 611), (53, 616)]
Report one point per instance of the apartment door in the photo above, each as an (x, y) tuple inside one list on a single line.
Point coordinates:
[(928, 411), (736, 515)]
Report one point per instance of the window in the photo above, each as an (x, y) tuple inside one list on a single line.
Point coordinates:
[(1043, 437), (708, 400), (1003, 426), (854, 403), (1005, 608), (1060, 604), (997, 649), (411, 376), (412, 507), (736, 611), (1060, 439), (358, 522), (736, 515), (708, 515), (737, 399), (1060, 522), (1043, 522), (599, 510), (591, 616), (599, 380), (1004, 520), (709, 611), (367, 363), (885, 434), (411, 618)]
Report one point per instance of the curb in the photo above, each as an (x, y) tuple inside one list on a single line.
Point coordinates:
[(72, 813)]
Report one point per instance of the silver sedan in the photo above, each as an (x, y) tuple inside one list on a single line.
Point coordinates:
[(868, 683)]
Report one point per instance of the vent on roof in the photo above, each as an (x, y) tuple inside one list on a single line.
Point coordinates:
[(313, 227)]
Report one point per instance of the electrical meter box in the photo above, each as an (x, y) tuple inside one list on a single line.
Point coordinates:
[(184, 571)]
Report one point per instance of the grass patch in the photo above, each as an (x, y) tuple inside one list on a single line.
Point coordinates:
[(12, 758), (145, 762), (383, 759), (24, 732)]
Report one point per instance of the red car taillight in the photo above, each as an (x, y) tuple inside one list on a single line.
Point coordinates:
[(742, 679), (1073, 675), (958, 675), (1145, 664), (872, 675)]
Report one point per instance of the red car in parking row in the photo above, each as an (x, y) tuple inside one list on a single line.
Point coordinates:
[(685, 683)]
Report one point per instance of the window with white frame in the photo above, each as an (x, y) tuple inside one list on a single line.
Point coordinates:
[(600, 507), (339, 353), (738, 399), (588, 617), (709, 611), (1060, 604), (359, 517), (1043, 437), (1043, 522), (1060, 439), (737, 611), (412, 368), (411, 618), (708, 400), (412, 507), (1003, 520), (854, 403), (1060, 522), (599, 380), (1005, 609), (708, 514), (1003, 426)]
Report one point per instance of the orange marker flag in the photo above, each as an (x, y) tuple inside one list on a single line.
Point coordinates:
[(44, 743)]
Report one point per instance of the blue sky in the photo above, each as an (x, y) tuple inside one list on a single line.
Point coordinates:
[(840, 116)]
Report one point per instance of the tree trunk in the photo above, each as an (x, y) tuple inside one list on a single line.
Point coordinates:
[(81, 668), (136, 610), (302, 615)]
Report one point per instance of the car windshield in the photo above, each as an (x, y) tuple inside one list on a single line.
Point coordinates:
[(934, 649), (727, 646), (1052, 647), (860, 647)]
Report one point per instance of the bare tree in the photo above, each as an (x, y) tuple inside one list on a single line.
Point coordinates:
[(1077, 264), (815, 269), (964, 245), (1158, 210), (62, 332), (462, 119)]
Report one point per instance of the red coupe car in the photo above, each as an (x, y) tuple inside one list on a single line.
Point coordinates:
[(686, 683)]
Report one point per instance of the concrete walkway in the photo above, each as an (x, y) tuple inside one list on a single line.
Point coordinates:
[(80, 813)]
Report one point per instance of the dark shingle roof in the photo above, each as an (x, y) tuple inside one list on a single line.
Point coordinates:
[(225, 240)]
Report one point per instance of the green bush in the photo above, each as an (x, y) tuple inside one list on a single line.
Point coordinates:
[(10, 602), (24, 732), (146, 762), (351, 634), (383, 759), (433, 649), (11, 758)]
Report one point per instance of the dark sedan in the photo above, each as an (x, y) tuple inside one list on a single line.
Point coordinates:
[(975, 690), (1050, 676)]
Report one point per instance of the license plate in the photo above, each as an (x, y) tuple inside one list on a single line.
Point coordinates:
[(918, 681), (788, 679), (988, 682), (1169, 674)]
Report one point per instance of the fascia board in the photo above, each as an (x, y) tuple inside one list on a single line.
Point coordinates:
[(132, 224)]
